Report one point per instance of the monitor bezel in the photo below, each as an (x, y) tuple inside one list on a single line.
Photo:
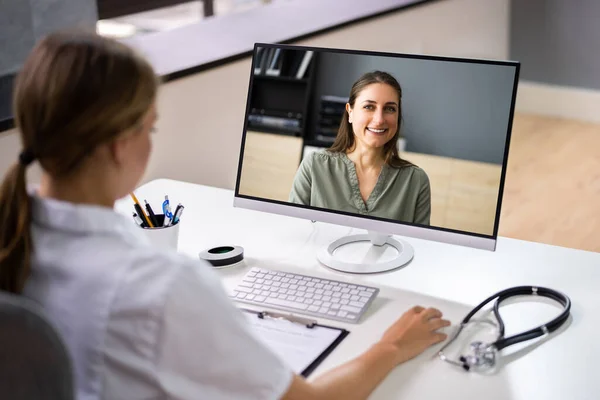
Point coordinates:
[(372, 223)]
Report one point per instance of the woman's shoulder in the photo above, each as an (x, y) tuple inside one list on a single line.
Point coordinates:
[(324, 156), (413, 171)]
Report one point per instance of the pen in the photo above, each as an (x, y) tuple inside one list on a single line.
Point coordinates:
[(167, 212), (151, 213), (140, 211), (138, 220), (177, 213)]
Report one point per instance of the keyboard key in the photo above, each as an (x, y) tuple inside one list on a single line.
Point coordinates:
[(350, 308), (286, 303), (356, 304)]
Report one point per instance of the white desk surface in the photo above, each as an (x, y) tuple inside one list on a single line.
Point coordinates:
[(452, 278)]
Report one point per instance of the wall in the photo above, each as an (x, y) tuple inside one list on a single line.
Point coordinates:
[(450, 109), (201, 116), (557, 43), (23, 22)]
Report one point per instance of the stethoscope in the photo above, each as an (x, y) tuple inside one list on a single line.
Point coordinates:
[(484, 355)]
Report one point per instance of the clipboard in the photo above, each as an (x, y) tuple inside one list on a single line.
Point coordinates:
[(301, 342)]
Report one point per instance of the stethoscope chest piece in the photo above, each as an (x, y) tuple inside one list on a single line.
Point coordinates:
[(482, 358)]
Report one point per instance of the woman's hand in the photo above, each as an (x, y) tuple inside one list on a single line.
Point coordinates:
[(415, 331)]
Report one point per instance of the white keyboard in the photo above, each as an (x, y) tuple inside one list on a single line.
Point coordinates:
[(302, 294)]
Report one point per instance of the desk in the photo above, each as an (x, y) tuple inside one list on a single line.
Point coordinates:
[(452, 278)]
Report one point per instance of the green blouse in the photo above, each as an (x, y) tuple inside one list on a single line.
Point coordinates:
[(329, 180)]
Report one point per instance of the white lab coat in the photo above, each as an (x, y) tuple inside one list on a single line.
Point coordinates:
[(141, 323)]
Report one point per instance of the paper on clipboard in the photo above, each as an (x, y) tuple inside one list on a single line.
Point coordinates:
[(298, 345)]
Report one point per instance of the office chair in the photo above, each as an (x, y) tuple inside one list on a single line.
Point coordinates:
[(34, 362)]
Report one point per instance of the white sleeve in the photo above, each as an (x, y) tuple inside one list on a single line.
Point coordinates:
[(205, 349)]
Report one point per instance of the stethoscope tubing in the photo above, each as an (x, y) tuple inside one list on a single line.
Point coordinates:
[(545, 329)]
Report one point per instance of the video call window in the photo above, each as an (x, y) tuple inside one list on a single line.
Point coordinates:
[(410, 139)]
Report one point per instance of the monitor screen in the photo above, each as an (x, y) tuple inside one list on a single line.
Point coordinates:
[(394, 143)]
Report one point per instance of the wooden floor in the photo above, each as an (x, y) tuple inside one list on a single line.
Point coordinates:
[(552, 189)]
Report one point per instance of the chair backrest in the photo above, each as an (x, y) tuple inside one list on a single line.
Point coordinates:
[(34, 362)]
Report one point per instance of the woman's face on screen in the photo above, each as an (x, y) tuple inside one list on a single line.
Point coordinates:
[(374, 117)]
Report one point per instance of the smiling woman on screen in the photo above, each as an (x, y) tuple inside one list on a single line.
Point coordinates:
[(362, 171)]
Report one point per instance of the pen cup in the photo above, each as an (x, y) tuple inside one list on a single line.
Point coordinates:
[(165, 237)]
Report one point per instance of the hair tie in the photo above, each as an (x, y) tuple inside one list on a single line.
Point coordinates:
[(26, 157)]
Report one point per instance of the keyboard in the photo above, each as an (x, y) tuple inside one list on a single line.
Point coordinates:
[(303, 294)]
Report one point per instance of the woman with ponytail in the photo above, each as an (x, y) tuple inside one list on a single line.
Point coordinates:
[(139, 323)]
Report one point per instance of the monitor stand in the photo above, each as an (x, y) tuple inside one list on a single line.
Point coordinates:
[(340, 254)]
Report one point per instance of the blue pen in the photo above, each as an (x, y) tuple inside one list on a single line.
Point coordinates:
[(167, 212)]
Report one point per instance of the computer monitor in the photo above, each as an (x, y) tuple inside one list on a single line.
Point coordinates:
[(404, 144)]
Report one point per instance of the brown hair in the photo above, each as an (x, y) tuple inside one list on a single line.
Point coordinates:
[(76, 90), (345, 136)]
